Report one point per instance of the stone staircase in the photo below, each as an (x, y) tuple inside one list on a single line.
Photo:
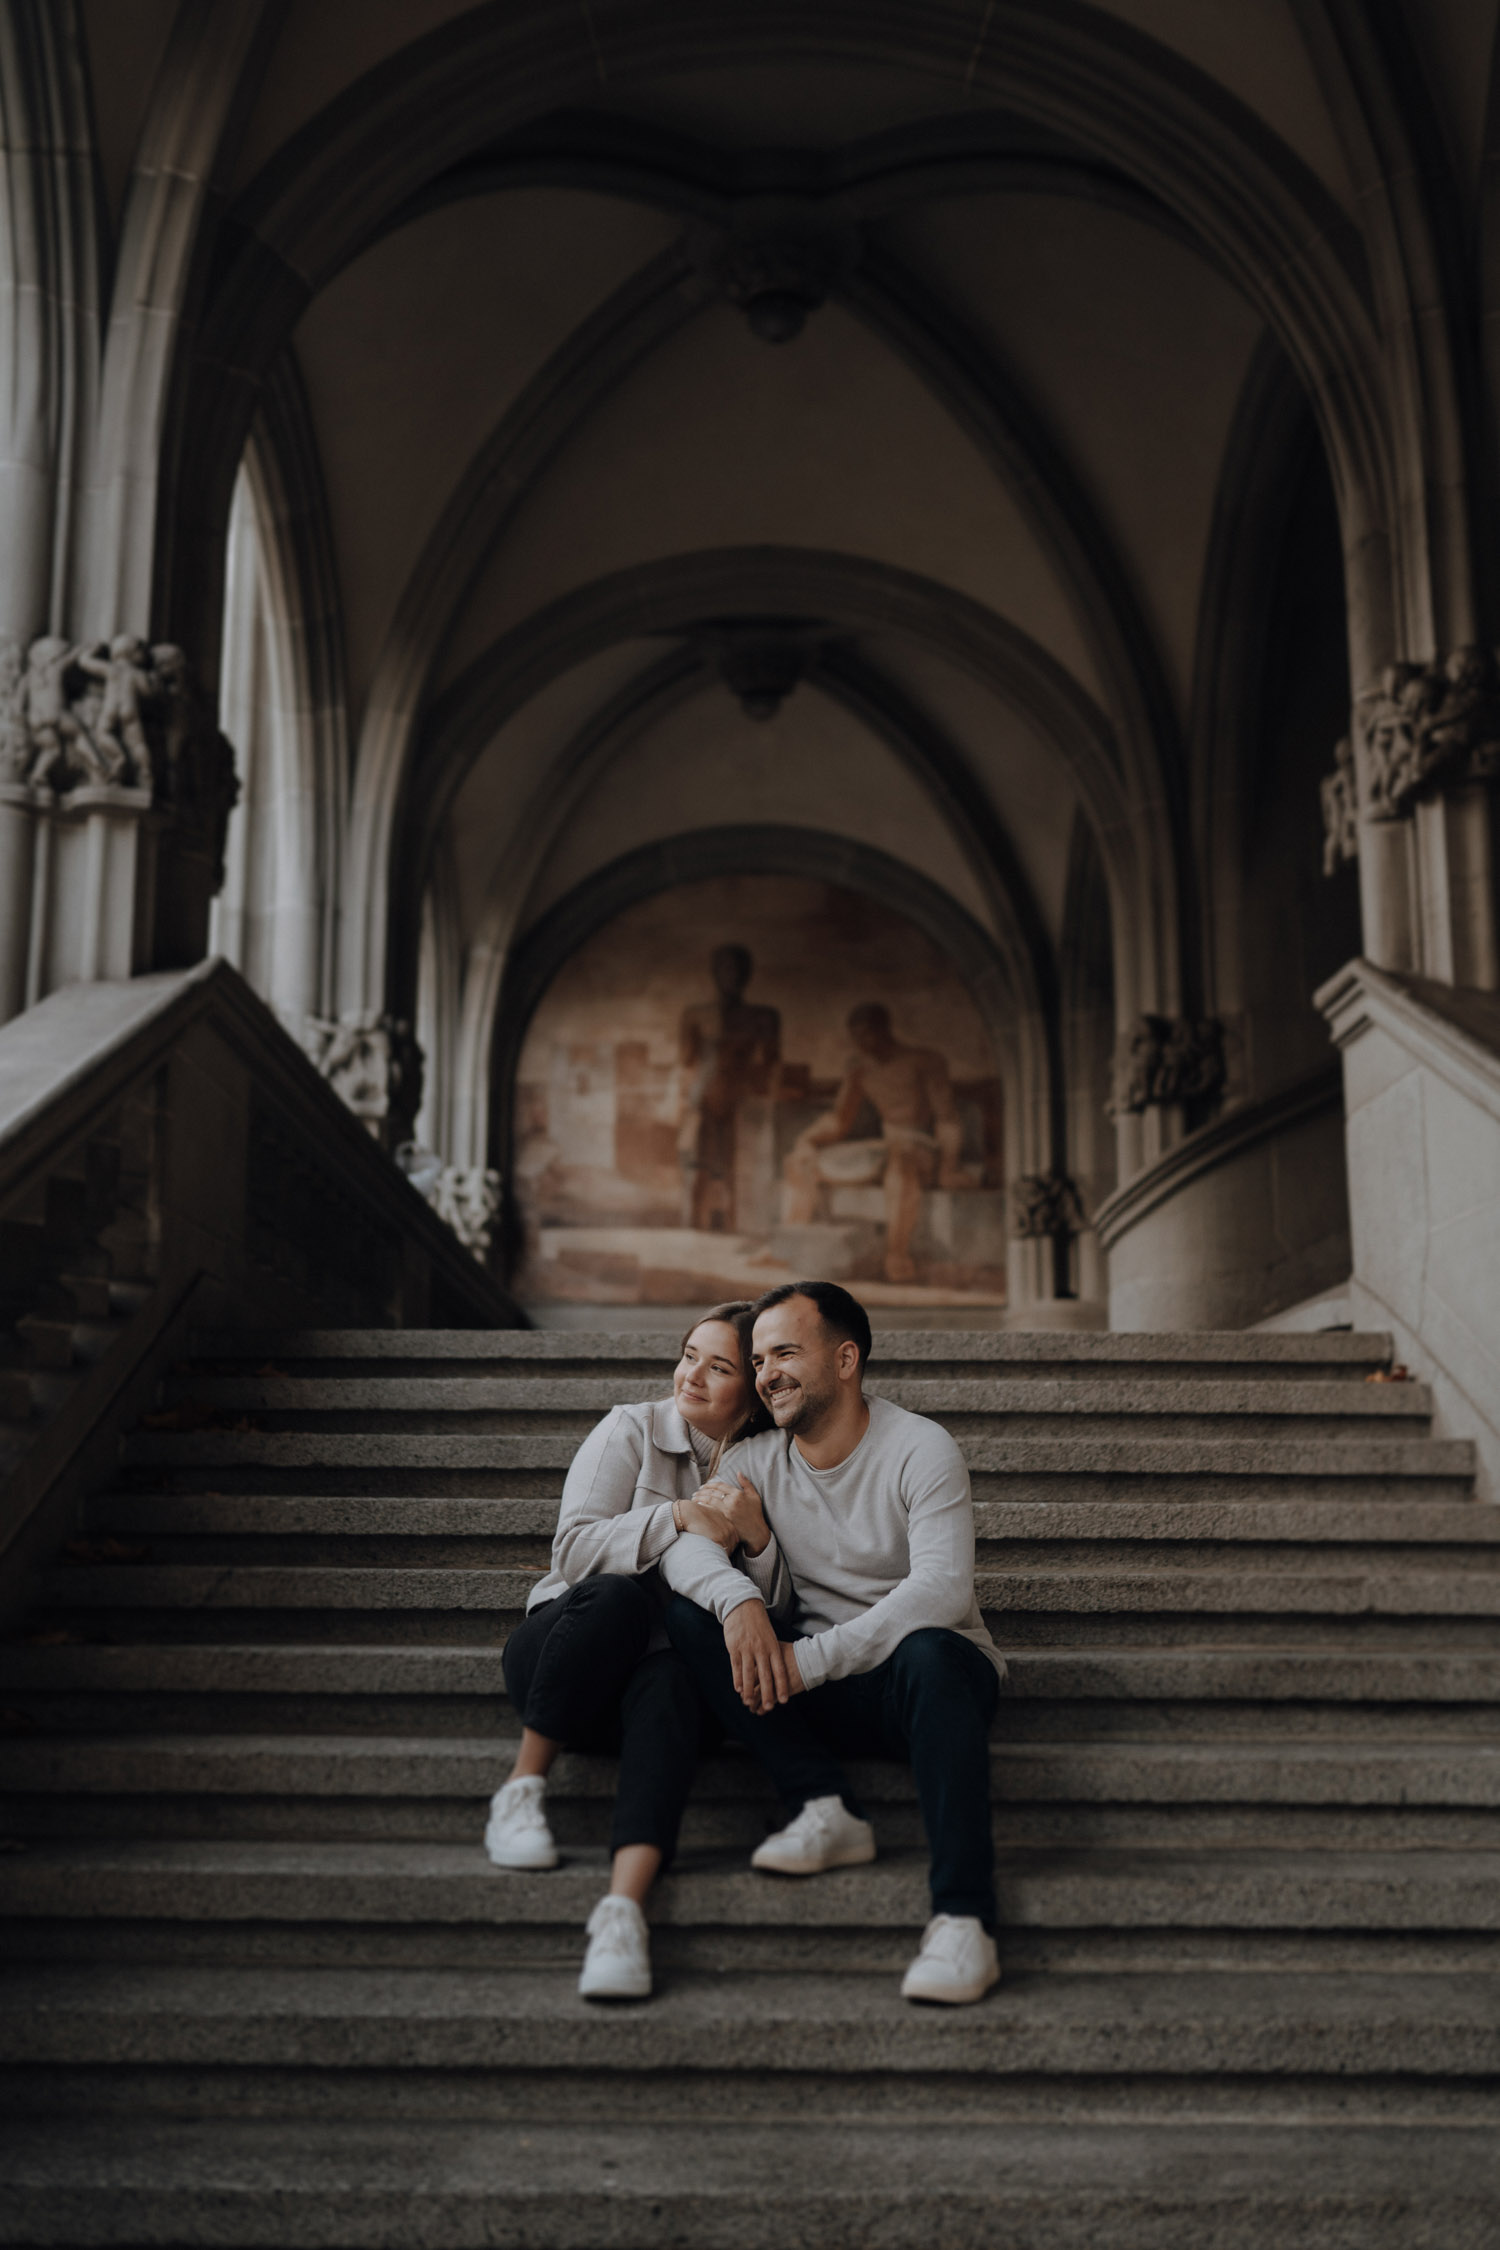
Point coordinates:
[(260, 1985)]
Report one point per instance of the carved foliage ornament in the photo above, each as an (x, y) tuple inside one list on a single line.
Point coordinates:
[(1169, 1059), (466, 1197), (1045, 1205), (117, 715), (1425, 727)]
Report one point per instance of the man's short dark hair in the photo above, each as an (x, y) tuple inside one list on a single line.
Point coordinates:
[(842, 1315)]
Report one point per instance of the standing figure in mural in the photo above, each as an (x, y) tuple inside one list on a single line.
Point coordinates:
[(920, 1133), (729, 1050)]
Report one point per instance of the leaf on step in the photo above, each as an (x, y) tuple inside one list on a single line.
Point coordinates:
[(12, 1844), (17, 1722), (61, 1637), (271, 1369), (1397, 1374), (106, 1550)]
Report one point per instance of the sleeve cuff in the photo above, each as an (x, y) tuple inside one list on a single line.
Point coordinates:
[(732, 1597), (660, 1534), (761, 1569), (812, 1662)]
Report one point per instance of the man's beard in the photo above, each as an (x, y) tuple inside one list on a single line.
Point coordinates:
[(811, 1409)]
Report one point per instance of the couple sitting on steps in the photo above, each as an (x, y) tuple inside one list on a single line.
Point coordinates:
[(809, 1594)]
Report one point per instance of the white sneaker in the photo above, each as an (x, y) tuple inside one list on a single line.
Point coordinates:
[(518, 1835), (824, 1834), (957, 1961), (617, 1965)]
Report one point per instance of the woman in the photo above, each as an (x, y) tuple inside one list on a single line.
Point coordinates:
[(590, 1667)]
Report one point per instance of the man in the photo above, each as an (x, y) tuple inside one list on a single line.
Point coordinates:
[(919, 1127), (858, 1518)]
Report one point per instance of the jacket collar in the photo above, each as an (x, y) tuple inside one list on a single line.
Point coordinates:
[(668, 1430)]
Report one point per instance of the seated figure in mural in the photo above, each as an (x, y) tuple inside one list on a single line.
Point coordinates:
[(920, 1134), (729, 1049), (854, 1631), (590, 1666)]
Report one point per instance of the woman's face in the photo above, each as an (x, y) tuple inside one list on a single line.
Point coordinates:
[(709, 1385)]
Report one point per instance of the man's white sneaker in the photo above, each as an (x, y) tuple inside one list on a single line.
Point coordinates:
[(957, 1961), (824, 1834), (617, 1965), (518, 1835)]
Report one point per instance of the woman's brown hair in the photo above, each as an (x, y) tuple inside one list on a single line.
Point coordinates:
[(740, 1316)]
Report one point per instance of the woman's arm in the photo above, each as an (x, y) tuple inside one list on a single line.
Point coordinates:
[(598, 1526)]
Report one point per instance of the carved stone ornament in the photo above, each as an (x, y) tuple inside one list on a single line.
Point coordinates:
[(1169, 1059), (779, 259), (1426, 727), (466, 1197), (117, 715), (1045, 1205), (374, 1065), (1340, 799)]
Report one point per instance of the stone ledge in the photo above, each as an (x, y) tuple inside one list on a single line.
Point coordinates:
[(1209, 1146)]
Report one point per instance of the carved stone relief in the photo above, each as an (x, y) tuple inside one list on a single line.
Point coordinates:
[(374, 1065), (1340, 799), (1169, 1059), (1045, 1205), (779, 259), (1425, 727), (117, 715)]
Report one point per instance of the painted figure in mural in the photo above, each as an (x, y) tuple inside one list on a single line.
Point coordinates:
[(920, 1133), (729, 1050)]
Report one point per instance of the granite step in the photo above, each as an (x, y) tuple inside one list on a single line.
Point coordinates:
[(461, 1689), (1010, 1407), (1392, 2045), (693, 2184), (916, 1353), (1431, 1464), (404, 1518), (411, 1884), (1342, 1795)]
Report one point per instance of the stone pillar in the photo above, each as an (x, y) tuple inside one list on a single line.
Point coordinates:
[(17, 846), (96, 886)]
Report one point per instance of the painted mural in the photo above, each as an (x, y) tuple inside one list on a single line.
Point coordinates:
[(744, 1080)]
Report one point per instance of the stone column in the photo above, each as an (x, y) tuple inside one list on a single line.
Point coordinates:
[(93, 926), (17, 846)]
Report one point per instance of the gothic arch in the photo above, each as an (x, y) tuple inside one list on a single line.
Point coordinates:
[(1021, 944)]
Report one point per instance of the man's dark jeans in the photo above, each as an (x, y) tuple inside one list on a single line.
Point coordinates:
[(931, 1701)]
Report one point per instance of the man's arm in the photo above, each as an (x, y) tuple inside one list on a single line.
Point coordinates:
[(840, 1121), (938, 1588)]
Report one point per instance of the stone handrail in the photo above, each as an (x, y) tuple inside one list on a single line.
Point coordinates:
[(169, 1158)]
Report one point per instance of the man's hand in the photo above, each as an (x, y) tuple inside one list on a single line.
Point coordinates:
[(740, 1505), (764, 1668)]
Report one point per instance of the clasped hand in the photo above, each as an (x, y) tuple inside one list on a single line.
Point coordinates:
[(730, 1514)]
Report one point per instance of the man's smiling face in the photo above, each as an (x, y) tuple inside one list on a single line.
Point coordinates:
[(796, 1370)]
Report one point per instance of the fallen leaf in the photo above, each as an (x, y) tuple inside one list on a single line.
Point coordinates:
[(17, 1722), (106, 1551), (62, 1637), (269, 1369)]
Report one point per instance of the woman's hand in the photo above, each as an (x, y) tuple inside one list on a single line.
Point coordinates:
[(710, 1522), (740, 1506)]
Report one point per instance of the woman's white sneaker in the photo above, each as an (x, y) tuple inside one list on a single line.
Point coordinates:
[(518, 1835), (824, 1834), (617, 1965), (957, 1961)]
